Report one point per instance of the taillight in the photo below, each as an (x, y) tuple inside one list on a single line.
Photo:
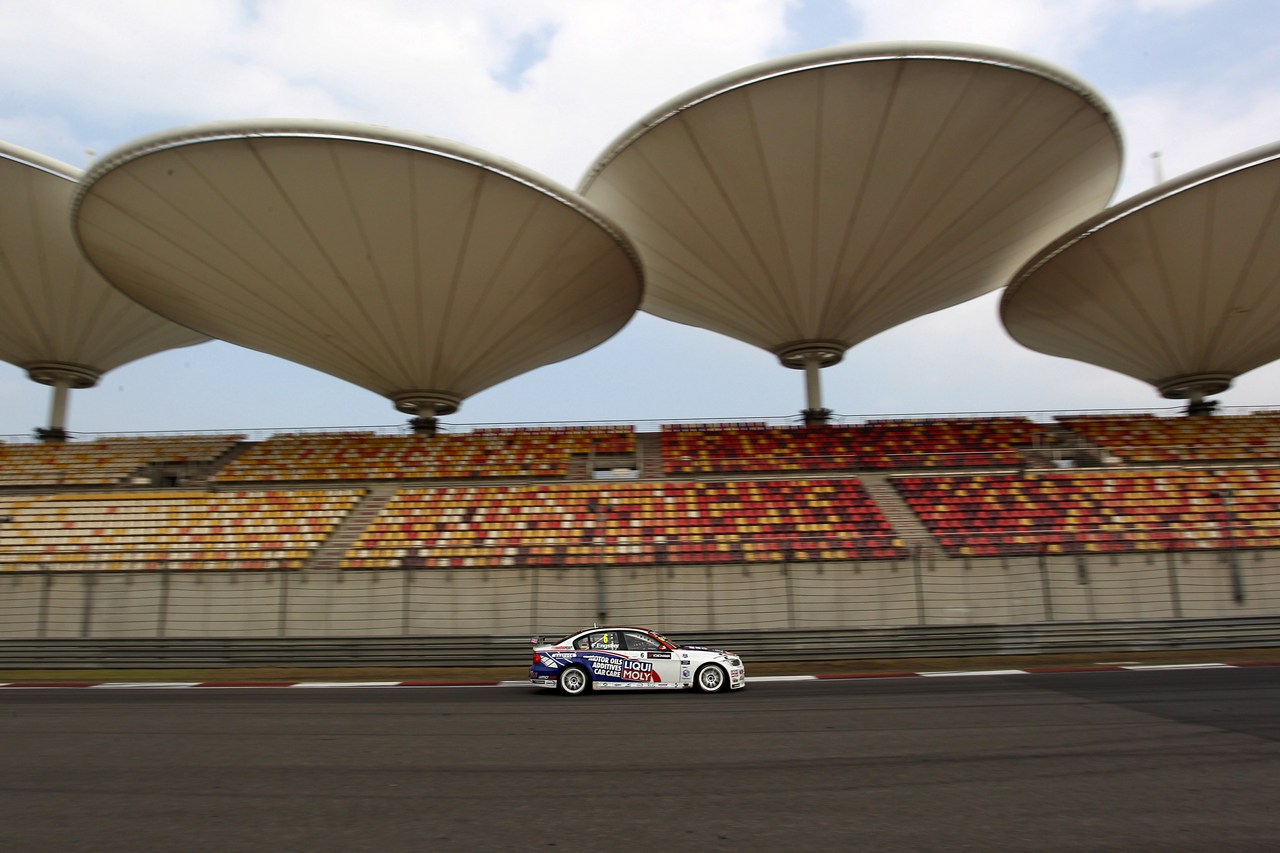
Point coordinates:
[(536, 657)]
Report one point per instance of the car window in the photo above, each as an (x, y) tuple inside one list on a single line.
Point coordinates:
[(638, 642), (605, 640)]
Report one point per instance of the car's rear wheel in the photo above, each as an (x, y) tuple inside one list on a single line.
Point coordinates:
[(711, 678), (574, 681)]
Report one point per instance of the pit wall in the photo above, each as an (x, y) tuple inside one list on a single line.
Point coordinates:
[(518, 601)]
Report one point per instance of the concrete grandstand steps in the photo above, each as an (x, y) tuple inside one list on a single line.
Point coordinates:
[(329, 555), (649, 454), (906, 524), (202, 475), (1069, 449)]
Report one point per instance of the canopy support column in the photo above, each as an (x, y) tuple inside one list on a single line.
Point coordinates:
[(811, 357), (57, 429), (1195, 388), (426, 407), (62, 377)]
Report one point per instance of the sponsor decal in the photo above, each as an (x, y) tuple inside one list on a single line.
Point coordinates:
[(660, 655), (620, 667)]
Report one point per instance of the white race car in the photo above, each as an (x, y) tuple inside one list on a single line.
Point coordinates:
[(631, 658)]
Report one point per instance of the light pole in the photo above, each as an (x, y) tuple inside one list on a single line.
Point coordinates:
[(602, 606), (1227, 497)]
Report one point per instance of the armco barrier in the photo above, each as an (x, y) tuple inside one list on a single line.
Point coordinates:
[(805, 645)]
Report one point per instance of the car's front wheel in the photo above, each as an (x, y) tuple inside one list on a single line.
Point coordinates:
[(711, 678), (573, 681)]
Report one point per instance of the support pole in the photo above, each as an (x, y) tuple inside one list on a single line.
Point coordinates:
[(426, 407), (62, 377), (58, 407), (812, 382), (811, 356)]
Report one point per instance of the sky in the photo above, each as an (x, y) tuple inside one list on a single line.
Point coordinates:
[(549, 84)]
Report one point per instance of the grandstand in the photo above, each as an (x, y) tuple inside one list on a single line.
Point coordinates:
[(986, 170), (950, 520)]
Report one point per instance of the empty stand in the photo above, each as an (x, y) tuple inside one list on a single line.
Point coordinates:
[(534, 452), (1145, 439), (1098, 511), (875, 445), (626, 524), (104, 461), (168, 529)]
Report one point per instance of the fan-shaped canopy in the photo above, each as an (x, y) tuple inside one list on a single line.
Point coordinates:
[(417, 268), (809, 203), (1178, 286), (59, 320)]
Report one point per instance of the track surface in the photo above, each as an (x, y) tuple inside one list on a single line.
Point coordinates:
[(1156, 760)]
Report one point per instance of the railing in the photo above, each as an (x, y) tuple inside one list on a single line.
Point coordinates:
[(257, 433), (1112, 637)]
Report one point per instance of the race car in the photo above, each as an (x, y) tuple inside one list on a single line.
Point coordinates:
[(629, 658)]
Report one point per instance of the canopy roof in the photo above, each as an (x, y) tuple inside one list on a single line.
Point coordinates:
[(414, 267), (59, 320), (807, 204), (1178, 286)]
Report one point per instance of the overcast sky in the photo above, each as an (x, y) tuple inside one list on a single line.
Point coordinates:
[(550, 84)]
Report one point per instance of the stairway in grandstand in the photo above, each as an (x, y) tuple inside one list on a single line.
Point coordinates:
[(649, 455), (645, 461), (329, 555), (906, 524)]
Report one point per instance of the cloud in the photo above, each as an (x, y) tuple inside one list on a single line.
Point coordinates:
[(1193, 126), (440, 69), (1054, 30)]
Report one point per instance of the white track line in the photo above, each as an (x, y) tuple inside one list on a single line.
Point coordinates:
[(961, 672), (347, 684), (1178, 666), (132, 684)]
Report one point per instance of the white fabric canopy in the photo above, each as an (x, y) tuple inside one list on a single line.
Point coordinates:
[(807, 204), (1178, 286), (414, 267), (59, 319)]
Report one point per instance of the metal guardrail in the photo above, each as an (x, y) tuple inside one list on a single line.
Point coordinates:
[(805, 645)]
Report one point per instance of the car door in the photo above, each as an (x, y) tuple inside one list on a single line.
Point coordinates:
[(650, 661)]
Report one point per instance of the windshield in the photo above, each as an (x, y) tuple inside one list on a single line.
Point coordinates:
[(670, 642)]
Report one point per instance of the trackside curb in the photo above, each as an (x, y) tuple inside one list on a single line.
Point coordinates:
[(170, 685)]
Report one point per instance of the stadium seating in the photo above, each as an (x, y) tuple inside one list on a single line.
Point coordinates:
[(626, 524), (1097, 511), (888, 444), (168, 529), (524, 497), (1144, 439), (104, 461), (311, 457)]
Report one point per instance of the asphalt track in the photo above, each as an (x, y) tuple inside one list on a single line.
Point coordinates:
[(1153, 760)]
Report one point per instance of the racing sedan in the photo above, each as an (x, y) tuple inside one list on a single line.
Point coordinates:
[(630, 658)]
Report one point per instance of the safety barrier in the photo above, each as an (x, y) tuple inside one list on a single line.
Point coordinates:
[(1110, 637)]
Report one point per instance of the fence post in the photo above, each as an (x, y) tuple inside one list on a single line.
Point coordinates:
[(42, 618), (406, 597), (282, 607), (790, 596), (917, 571), (1046, 588), (534, 578), (1175, 591), (162, 613), (86, 613), (711, 599)]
